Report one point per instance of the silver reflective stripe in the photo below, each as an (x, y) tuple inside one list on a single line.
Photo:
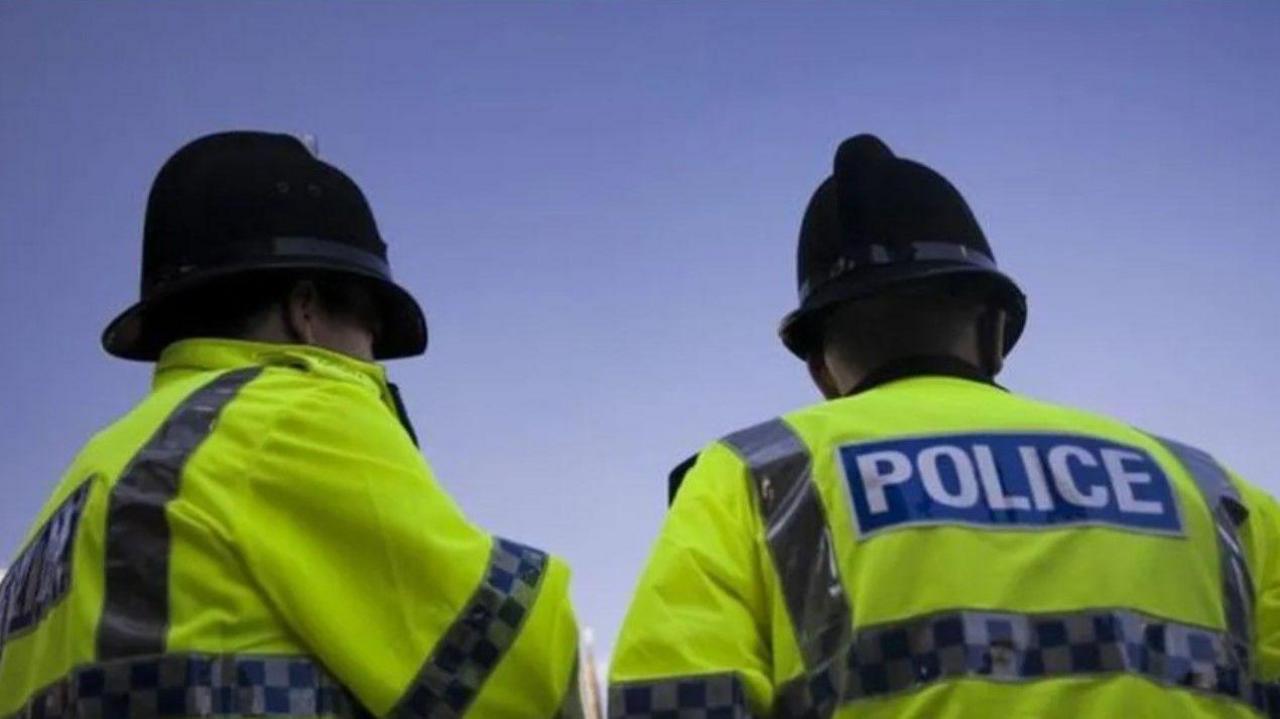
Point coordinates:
[(194, 685), (903, 656), (717, 696), (485, 629), (798, 537), (135, 614), (1229, 512)]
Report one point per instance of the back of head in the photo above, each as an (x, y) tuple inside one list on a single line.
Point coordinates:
[(254, 306), (937, 318)]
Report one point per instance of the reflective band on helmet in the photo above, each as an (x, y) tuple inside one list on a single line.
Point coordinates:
[(280, 252), (1007, 647), (135, 613), (1223, 501), (718, 696), (798, 537), (478, 639), (194, 685), (313, 247), (880, 255)]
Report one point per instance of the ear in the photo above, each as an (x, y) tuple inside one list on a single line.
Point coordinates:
[(821, 376), (300, 309)]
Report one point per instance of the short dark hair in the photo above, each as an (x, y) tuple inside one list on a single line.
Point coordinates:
[(922, 318), (233, 307)]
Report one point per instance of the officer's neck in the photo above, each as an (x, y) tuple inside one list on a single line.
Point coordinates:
[(313, 328), (892, 370)]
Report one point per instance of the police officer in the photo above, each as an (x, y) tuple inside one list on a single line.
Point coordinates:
[(927, 544), (260, 535)]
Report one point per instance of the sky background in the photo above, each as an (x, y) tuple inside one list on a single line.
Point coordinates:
[(597, 204)]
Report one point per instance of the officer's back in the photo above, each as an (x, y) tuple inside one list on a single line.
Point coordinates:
[(928, 544), (260, 535)]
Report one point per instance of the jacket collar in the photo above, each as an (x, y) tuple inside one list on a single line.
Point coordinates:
[(183, 358), (205, 355), (923, 366)]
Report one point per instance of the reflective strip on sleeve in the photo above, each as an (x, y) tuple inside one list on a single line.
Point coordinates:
[(194, 685), (1229, 512), (718, 696), (135, 614), (1007, 647), (798, 537), (478, 639)]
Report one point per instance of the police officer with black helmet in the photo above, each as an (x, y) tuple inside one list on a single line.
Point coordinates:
[(259, 535), (924, 543)]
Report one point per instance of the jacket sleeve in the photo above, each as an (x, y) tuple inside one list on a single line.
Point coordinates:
[(414, 609), (696, 634), (1264, 545)]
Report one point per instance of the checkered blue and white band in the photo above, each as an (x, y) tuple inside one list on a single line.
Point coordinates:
[(469, 651), (718, 696), (1010, 647), (194, 685), (905, 656)]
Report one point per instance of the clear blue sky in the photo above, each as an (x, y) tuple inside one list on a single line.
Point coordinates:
[(598, 204)]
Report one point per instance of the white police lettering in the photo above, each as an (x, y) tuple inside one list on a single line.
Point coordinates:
[(1124, 481), (1060, 468), (41, 575), (1024, 480), (996, 497), (896, 468), (1035, 478), (966, 494)]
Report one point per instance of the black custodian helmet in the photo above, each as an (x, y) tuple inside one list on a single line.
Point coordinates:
[(235, 203), (881, 222)]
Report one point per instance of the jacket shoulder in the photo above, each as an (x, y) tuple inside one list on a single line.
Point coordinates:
[(766, 441), (676, 476)]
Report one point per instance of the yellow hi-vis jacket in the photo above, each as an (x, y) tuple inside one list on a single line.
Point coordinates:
[(260, 536), (937, 547)]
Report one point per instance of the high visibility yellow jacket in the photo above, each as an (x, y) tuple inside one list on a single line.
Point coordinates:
[(260, 536), (937, 547)]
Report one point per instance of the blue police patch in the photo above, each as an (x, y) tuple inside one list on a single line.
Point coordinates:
[(40, 576), (1016, 481)]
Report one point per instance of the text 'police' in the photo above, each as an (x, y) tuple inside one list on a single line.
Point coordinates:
[(1007, 480)]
